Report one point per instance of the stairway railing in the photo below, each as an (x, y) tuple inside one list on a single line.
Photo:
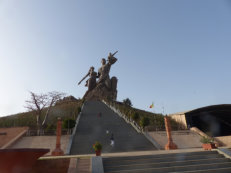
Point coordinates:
[(128, 120)]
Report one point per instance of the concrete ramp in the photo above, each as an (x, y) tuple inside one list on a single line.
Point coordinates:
[(93, 127)]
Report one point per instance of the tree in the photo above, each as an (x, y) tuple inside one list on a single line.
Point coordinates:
[(127, 102), (68, 123), (135, 116), (144, 122), (39, 102)]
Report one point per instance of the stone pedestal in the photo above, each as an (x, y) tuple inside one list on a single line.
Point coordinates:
[(170, 145), (57, 151)]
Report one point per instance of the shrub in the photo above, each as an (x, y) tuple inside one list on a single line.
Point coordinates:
[(97, 146), (206, 140), (68, 123), (127, 102), (79, 110), (135, 116), (144, 122), (50, 127)]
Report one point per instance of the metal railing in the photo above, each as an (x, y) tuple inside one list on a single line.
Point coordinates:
[(52, 132), (128, 120)]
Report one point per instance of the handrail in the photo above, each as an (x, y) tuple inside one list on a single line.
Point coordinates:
[(66, 157), (129, 121)]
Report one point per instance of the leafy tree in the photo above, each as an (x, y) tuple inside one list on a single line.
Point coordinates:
[(127, 102), (38, 102)]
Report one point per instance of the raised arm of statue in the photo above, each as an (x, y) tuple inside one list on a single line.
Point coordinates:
[(111, 58)]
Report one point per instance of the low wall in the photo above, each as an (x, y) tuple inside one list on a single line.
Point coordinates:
[(11, 135), (51, 166), (216, 140), (225, 140), (179, 118)]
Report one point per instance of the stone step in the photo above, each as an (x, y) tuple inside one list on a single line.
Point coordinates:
[(164, 164), (218, 170), (83, 165), (158, 160), (178, 155), (175, 168), (92, 128)]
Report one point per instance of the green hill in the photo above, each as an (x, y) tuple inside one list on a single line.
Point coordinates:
[(69, 109), (63, 109), (152, 121)]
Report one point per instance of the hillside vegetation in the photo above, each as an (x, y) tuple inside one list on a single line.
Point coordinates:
[(65, 110), (149, 120), (70, 109)]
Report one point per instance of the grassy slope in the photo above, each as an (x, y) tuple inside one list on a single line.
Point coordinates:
[(63, 110), (70, 110), (156, 120)]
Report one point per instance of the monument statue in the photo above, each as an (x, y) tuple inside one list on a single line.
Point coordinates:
[(91, 82), (104, 70), (104, 88)]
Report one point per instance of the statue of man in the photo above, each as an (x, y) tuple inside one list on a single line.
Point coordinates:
[(103, 72)]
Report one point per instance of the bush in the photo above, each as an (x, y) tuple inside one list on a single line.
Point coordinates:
[(127, 102), (144, 122), (79, 110), (135, 116), (68, 123), (50, 127), (97, 146), (206, 140)]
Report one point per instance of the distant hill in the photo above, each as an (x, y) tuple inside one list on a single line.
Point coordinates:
[(65, 108), (69, 107)]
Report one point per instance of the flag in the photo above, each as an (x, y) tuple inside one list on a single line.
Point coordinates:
[(151, 106)]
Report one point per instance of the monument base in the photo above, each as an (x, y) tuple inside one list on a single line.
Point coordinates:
[(57, 152), (170, 146)]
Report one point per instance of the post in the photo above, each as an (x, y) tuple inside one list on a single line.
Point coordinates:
[(170, 145), (57, 151)]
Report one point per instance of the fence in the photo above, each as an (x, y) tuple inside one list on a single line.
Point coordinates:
[(52, 132)]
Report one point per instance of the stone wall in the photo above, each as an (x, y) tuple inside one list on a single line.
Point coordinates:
[(51, 166), (179, 118)]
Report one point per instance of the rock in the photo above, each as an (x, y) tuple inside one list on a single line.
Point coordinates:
[(101, 92)]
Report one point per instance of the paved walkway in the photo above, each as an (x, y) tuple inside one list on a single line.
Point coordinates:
[(93, 128), (182, 138), (42, 142)]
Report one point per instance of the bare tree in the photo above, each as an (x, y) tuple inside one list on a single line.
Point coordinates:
[(38, 102)]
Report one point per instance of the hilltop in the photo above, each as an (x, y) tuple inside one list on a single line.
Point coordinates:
[(69, 107), (66, 108)]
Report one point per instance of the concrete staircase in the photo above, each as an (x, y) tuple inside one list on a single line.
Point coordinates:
[(93, 128), (191, 162)]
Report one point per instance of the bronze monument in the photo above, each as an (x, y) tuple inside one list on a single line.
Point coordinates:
[(105, 87)]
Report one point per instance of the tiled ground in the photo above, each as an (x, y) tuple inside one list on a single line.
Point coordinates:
[(42, 142)]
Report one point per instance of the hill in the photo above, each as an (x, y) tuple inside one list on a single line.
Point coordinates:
[(69, 107), (65, 108), (151, 121)]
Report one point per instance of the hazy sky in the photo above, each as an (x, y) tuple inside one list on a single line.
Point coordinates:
[(175, 53)]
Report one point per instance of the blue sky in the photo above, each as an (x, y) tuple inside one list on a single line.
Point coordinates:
[(175, 53)]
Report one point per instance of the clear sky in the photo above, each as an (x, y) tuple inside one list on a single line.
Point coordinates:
[(175, 53)]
